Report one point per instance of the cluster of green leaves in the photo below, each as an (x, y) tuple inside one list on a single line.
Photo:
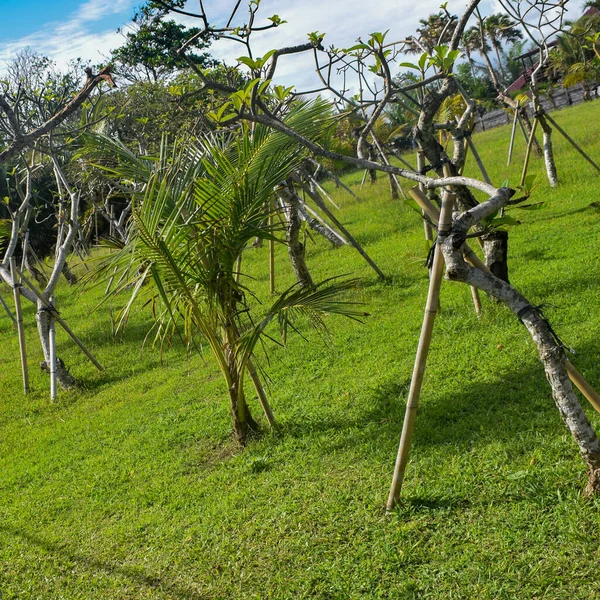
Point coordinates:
[(442, 58)]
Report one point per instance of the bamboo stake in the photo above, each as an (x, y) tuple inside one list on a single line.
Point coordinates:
[(319, 202), (476, 300), (571, 140), (401, 159), (462, 168), (431, 309), (5, 306), (60, 320), (584, 387), (385, 160), (336, 179), (262, 396), (324, 192), (22, 349), (324, 223), (52, 343), (477, 160), (271, 254), (528, 151), (512, 136), (238, 268), (363, 179), (25, 245), (433, 213), (420, 166)]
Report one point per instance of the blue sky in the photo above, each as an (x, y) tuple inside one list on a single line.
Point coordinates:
[(68, 29), (62, 29)]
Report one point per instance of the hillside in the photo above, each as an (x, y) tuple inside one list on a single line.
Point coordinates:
[(132, 487)]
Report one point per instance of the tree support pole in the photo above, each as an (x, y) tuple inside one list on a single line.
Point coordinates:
[(528, 151), (477, 160), (426, 226), (271, 255), (512, 136), (431, 309), (60, 320), (571, 141), (22, 349), (321, 204), (52, 344), (584, 387), (262, 396), (434, 214), (5, 306)]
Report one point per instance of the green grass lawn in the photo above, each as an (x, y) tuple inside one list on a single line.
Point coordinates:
[(132, 486)]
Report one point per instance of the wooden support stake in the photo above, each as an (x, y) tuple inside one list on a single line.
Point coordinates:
[(476, 300), (434, 214), (431, 309), (60, 320), (477, 160), (584, 387), (512, 136), (52, 344), (324, 192), (347, 234), (426, 226), (571, 140), (5, 306), (528, 151), (25, 249), (262, 396), (271, 254), (363, 178), (22, 349)]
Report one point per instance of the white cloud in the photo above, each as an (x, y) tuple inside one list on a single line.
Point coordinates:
[(343, 21), (74, 37)]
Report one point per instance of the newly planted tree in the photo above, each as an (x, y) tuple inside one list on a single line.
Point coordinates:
[(200, 208)]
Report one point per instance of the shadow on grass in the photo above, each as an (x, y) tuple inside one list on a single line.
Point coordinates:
[(514, 403), (94, 565)]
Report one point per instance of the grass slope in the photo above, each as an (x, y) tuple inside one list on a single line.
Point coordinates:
[(132, 488)]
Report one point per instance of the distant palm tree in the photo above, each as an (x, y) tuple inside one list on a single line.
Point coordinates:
[(471, 42), (500, 28), (436, 30), (200, 208)]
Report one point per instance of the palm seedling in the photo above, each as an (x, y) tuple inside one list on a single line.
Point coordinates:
[(199, 208)]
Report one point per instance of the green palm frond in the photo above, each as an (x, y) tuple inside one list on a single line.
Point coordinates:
[(309, 304)]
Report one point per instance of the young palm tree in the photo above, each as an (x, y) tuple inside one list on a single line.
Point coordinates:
[(200, 208)]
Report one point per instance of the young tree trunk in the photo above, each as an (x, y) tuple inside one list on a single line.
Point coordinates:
[(69, 275), (34, 271), (550, 352), (495, 248), (64, 378), (321, 228), (548, 154), (243, 423), (296, 249)]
